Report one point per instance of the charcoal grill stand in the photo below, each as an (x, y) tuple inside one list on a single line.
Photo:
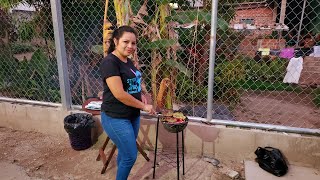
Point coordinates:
[(156, 146)]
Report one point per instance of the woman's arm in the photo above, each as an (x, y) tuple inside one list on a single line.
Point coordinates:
[(115, 85)]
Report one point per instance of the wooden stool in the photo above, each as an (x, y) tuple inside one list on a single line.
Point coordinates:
[(101, 155), (106, 161)]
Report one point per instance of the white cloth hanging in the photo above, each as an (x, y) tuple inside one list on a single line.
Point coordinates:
[(294, 69)]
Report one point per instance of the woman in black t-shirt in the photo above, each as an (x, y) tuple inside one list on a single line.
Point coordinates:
[(122, 101)]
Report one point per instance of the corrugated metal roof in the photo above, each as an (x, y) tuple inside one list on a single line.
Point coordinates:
[(23, 7)]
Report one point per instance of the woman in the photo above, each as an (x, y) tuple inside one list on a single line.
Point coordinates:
[(122, 102)]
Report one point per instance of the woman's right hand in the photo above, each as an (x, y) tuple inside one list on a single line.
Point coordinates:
[(149, 109)]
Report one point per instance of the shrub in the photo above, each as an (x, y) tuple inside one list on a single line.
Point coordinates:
[(270, 71), (227, 76), (36, 79), (18, 48), (7, 66), (26, 31), (188, 90)]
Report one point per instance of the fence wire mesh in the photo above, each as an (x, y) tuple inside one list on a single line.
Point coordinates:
[(28, 67), (267, 65)]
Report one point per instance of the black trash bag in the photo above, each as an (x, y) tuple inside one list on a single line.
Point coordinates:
[(78, 126), (271, 160), (78, 121)]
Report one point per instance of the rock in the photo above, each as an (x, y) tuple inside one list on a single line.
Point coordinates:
[(213, 161), (229, 172)]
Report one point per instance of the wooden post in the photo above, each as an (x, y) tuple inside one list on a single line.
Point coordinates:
[(283, 11)]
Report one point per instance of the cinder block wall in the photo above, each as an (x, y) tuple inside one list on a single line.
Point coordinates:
[(262, 16), (310, 75), (221, 142)]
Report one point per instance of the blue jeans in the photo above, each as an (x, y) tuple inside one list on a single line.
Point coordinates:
[(123, 132)]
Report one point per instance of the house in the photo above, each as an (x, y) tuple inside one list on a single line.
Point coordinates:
[(258, 18), (22, 12)]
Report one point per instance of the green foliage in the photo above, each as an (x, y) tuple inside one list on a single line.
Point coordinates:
[(5, 24), (135, 5), (18, 48), (189, 90), (227, 74), (86, 25), (7, 4), (270, 71), (161, 2), (159, 44), (227, 44), (7, 65), (245, 73), (36, 79), (26, 31), (179, 66), (98, 49), (186, 36)]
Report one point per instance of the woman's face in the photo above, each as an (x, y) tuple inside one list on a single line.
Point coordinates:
[(126, 45)]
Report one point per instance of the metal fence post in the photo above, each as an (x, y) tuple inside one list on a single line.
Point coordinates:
[(300, 24), (61, 54), (213, 37)]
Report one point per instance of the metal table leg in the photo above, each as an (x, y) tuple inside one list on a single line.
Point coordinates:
[(156, 147), (182, 152), (178, 155), (155, 150)]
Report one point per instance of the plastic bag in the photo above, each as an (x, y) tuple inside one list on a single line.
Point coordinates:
[(271, 160), (75, 123)]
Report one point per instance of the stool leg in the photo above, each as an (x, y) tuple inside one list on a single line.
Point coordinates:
[(142, 152), (155, 149), (103, 148), (182, 153), (109, 159), (178, 155)]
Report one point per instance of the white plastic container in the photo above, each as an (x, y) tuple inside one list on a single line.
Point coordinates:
[(316, 51)]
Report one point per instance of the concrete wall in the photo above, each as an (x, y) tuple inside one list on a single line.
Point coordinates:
[(221, 142), (27, 117)]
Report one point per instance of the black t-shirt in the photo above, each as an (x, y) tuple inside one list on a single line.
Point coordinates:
[(110, 66)]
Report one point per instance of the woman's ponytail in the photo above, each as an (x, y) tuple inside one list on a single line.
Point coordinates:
[(112, 45)]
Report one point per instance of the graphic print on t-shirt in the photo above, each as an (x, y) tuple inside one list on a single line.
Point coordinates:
[(134, 84)]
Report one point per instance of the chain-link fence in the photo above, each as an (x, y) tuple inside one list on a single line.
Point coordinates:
[(266, 66), (28, 67)]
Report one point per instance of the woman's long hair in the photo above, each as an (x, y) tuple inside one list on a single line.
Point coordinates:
[(117, 34)]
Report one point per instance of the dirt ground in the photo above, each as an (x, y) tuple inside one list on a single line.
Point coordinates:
[(278, 108), (31, 155)]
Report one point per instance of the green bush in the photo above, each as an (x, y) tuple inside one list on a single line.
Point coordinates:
[(7, 66), (26, 31), (36, 79), (269, 71), (227, 76), (268, 86), (188, 90), (18, 48)]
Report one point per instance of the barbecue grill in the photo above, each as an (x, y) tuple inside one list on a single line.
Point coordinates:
[(172, 126)]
